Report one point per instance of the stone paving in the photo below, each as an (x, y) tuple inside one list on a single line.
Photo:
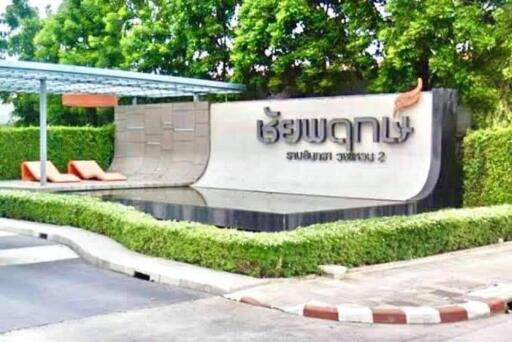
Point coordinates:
[(433, 281)]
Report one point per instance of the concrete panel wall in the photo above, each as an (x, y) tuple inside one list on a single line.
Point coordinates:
[(166, 143)]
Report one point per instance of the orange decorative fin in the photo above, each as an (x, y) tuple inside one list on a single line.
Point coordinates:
[(408, 99)]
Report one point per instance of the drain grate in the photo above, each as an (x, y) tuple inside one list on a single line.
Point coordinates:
[(142, 276), (43, 236)]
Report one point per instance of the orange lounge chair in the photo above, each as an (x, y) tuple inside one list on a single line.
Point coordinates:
[(89, 169), (31, 171)]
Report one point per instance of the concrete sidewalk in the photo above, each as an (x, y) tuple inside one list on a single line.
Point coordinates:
[(444, 288)]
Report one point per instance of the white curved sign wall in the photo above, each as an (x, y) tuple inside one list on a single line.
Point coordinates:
[(373, 170)]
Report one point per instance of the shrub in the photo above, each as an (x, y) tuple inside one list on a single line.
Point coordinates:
[(18, 144), (350, 243), (487, 167)]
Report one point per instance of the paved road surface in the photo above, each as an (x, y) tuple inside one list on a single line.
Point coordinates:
[(48, 294), (42, 283)]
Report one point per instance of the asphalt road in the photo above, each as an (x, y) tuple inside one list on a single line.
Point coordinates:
[(43, 283)]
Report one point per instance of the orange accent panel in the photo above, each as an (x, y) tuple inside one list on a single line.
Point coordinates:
[(89, 100)]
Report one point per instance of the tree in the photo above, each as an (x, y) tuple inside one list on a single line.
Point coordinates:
[(83, 32), (301, 47), (21, 43), (24, 23), (180, 37), (448, 43), (17, 11)]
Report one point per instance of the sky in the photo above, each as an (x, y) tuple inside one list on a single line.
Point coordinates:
[(40, 4)]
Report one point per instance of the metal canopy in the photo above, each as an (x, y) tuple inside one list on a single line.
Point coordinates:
[(44, 78), (25, 77)]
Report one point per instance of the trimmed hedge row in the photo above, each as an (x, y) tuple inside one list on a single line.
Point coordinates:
[(487, 167), (18, 144), (350, 243)]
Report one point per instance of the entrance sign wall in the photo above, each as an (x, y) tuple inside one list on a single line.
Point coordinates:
[(347, 146), (276, 165)]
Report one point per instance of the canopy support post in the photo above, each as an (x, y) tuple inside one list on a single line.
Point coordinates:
[(43, 112), (196, 97)]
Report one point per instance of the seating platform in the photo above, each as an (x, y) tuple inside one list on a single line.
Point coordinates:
[(89, 185)]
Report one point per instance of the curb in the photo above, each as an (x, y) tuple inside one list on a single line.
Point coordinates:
[(350, 313), (104, 252)]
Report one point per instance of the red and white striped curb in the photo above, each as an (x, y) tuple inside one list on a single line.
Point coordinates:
[(494, 300)]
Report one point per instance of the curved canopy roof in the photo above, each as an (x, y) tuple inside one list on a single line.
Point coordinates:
[(25, 77)]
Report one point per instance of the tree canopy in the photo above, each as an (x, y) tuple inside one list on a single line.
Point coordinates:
[(83, 32), (456, 44), (180, 37), (297, 48), (280, 48)]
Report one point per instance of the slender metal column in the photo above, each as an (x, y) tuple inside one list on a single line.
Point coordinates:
[(43, 112)]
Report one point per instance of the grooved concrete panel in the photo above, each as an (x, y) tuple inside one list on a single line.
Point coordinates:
[(167, 142)]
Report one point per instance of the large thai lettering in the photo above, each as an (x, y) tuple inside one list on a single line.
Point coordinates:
[(346, 140), (314, 130), (402, 128), (340, 131)]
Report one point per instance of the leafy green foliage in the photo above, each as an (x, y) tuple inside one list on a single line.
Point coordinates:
[(83, 32), (487, 165), (64, 144), (350, 243), (455, 44), (297, 48), (24, 23), (180, 37)]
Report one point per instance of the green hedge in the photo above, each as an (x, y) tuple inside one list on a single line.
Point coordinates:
[(18, 144), (298, 252), (488, 167)]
